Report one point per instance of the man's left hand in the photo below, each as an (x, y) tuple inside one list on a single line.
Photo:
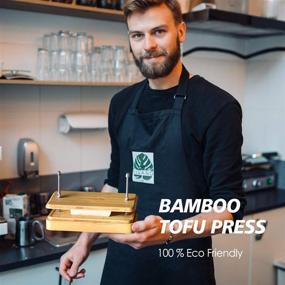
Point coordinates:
[(145, 233)]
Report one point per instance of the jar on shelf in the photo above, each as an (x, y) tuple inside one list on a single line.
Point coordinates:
[(87, 2), (107, 4)]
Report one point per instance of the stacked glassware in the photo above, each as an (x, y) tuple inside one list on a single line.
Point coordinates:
[(67, 56)]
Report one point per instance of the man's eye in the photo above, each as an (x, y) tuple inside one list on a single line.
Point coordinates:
[(159, 32), (136, 36)]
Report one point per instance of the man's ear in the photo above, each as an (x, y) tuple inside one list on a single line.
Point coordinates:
[(182, 29)]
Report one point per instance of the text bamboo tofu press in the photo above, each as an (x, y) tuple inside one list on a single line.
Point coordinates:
[(102, 212)]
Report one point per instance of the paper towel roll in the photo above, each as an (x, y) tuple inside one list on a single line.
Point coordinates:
[(82, 121)]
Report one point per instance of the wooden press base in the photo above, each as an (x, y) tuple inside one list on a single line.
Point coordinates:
[(120, 221), (62, 220)]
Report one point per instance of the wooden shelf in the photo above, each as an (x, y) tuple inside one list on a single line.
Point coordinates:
[(233, 24), (208, 20), (63, 83), (58, 8)]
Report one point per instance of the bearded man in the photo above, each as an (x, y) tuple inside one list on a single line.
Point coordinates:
[(185, 135)]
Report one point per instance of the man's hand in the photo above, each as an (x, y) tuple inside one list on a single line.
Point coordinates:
[(71, 260), (145, 233)]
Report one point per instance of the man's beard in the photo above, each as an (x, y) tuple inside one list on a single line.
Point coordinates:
[(160, 69)]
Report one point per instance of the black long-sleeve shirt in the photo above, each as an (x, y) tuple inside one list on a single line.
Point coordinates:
[(211, 135)]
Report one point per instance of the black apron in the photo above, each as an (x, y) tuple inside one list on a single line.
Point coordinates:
[(151, 150)]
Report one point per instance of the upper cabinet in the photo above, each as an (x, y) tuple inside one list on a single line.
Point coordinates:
[(233, 24)]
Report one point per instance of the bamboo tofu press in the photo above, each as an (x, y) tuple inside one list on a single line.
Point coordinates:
[(102, 212)]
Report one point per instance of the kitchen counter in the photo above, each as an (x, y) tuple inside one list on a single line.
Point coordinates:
[(12, 257), (264, 200)]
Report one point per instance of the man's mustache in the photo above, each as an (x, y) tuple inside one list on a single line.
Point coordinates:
[(150, 54)]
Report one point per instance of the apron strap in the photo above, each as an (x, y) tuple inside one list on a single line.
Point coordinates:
[(181, 94), (179, 97)]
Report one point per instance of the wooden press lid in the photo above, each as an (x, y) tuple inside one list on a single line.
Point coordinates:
[(93, 201)]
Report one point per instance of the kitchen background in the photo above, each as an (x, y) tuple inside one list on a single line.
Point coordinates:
[(33, 111)]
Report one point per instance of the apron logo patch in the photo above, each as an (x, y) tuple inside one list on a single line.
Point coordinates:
[(143, 167)]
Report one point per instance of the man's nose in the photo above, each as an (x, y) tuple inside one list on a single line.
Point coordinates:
[(149, 43)]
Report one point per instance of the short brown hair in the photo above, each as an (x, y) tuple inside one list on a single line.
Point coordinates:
[(132, 6)]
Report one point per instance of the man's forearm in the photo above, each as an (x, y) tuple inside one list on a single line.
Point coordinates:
[(87, 239), (209, 218)]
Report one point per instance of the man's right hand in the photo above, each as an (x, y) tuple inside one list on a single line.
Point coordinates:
[(72, 260)]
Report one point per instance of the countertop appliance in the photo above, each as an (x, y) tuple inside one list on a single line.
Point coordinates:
[(258, 171), (14, 206)]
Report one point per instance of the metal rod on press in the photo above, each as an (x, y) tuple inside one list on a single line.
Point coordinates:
[(127, 186), (58, 184)]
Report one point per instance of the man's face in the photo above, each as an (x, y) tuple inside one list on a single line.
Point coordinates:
[(155, 41)]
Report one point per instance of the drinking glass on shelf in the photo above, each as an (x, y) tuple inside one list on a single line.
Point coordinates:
[(53, 63), (90, 44), (42, 64), (107, 64), (120, 63), (95, 65), (1, 68), (80, 66), (46, 41), (72, 57), (64, 65), (81, 42), (64, 41), (73, 41), (54, 41)]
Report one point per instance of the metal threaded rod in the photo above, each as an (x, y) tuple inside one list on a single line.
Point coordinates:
[(58, 184), (127, 187)]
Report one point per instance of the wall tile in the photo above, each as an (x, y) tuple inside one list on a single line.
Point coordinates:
[(264, 85), (68, 181), (20, 56), (274, 137), (58, 151), (97, 99), (20, 98), (227, 73), (16, 125), (48, 183), (17, 185), (265, 105), (253, 130), (95, 150), (60, 99)]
